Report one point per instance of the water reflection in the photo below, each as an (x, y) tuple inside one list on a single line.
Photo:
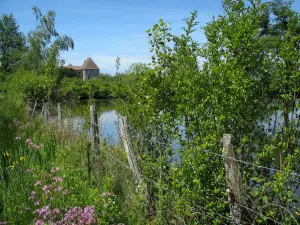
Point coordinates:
[(108, 128)]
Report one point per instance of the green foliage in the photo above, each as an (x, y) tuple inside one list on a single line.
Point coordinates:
[(12, 43), (234, 83), (42, 39)]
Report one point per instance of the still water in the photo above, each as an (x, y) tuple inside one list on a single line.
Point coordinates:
[(107, 120)]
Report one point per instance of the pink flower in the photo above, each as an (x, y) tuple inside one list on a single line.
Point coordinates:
[(36, 146), (38, 183), (57, 179), (28, 141), (33, 193), (45, 187), (37, 203)]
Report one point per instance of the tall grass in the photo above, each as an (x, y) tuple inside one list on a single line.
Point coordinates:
[(29, 150)]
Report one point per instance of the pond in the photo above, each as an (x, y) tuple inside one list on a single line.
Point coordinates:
[(107, 120)]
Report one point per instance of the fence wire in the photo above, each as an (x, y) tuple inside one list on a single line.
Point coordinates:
[(227, 218)]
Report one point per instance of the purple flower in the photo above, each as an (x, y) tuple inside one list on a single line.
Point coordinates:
[(39, 222), (56, 211)]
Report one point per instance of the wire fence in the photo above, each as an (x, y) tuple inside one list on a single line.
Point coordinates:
[(197, 209)]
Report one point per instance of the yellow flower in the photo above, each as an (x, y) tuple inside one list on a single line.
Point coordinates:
[(298, 213), (22, 158)]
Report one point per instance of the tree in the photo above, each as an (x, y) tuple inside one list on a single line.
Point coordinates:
[(42, 38), (118, 64), (12, 43)]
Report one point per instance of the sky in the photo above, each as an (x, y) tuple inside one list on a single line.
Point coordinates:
[(107, 29)]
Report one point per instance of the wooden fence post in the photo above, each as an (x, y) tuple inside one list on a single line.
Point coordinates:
[(59, 115), (124, 135), (141, 185), (235, 190), (95, 130), (46, 112)]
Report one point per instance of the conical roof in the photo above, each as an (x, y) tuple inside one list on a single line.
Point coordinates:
[(89, 64)]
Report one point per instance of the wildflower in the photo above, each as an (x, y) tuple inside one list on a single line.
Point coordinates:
[(18, 138), (38, 183), (36, 146), (57, 179), (28, 141), (298, 213), (4, 223), (45, 187), (39, 222), (33, 193), (37, 203), (106, 194), (56, 211), (22, 158), (57, 169), (58, 189)]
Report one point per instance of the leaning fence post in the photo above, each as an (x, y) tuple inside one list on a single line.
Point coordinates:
[(234, 190), (124, 134), (59, 115), (94, 129), (132, 161)]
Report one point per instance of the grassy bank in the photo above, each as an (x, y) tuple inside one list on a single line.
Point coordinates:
[(49, 176)]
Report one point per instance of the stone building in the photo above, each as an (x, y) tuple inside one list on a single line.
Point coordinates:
[(88, 70)]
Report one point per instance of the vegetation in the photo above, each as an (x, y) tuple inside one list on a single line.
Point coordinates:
[(243, 81)]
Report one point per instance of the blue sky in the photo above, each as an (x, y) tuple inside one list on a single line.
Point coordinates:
[(105, 29)]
